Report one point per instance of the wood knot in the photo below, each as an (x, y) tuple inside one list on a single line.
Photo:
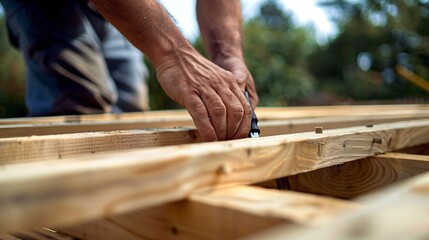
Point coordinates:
[(225, 169)]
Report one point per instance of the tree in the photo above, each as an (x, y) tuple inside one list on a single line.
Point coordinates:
[(276, 51), (12, 78), (375, 35)]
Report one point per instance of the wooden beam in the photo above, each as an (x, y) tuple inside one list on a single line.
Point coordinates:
[(88, 145), (264, 113), (344, 110), (121, 182), (25, 130), (399, 212), (353, 179), (227, 213), (64, 146), (268, 128), (163, 115), (276, 127)]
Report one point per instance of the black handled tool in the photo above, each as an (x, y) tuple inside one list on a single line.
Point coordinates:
[(254, 129)]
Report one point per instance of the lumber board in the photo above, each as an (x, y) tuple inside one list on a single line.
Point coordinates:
[(287, 121), (353, 179), (226, 213), (65, 146), (268, 127), (399, 212), (264, 113), (121, 182), (160, 115), (88, 145), (276, 127), (23, 130)]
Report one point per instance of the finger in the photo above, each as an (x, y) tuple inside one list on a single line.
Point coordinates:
[(244, 127), (217, 111), (250, 86), (199, 114), (234, 110)]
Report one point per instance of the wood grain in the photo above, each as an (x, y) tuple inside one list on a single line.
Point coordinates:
[(287, 120), (353, 179), (88, 145), (84, 145), (226, 213), (121, 182), (399, 212), (264, 113)]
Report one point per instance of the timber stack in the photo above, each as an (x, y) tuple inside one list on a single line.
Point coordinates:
[(333, 172)]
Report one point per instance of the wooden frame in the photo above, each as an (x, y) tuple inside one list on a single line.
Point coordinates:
[(138, 184)]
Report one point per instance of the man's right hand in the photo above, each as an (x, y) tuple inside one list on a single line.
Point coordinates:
[(211, 95)]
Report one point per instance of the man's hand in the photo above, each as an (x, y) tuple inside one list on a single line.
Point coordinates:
[(213, 96), (242, 75)]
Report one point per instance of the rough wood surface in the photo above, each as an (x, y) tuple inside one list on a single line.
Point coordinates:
[(264, 113), (399, 212), (353, 179), (289, 120), (65, 146), (88, 145), (119, 182), (227, 213)]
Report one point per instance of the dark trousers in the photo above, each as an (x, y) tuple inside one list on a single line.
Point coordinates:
[(77, 63)]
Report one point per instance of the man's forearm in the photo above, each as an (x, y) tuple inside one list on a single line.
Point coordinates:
[(147, 25), (221, 28)]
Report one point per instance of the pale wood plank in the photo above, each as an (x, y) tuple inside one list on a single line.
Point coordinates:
[(227, 213), (399, 212), (87, 145), (292, 121), (64, 146), (25, 130), (264, 113), (160, 115), (353, 179), (125, 181), (276, 127)]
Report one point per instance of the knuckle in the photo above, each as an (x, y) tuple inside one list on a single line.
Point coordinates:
[(218, 109), (198, 110), (238, 112)]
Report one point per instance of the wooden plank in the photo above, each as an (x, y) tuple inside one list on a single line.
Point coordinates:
[(64, 146), (25, 130), (345, 110), (268, 128), (353, 179), (88, 145), (120, 182), (276, 127), (399, 212), (264, 113), (227, 213), (162, 115)]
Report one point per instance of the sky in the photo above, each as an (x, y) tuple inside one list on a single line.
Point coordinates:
[(304, 12)]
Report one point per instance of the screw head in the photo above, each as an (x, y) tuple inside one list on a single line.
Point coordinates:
[(318, 130)]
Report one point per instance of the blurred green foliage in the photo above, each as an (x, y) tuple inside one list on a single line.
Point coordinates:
[(288, 64), (12, 78)]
